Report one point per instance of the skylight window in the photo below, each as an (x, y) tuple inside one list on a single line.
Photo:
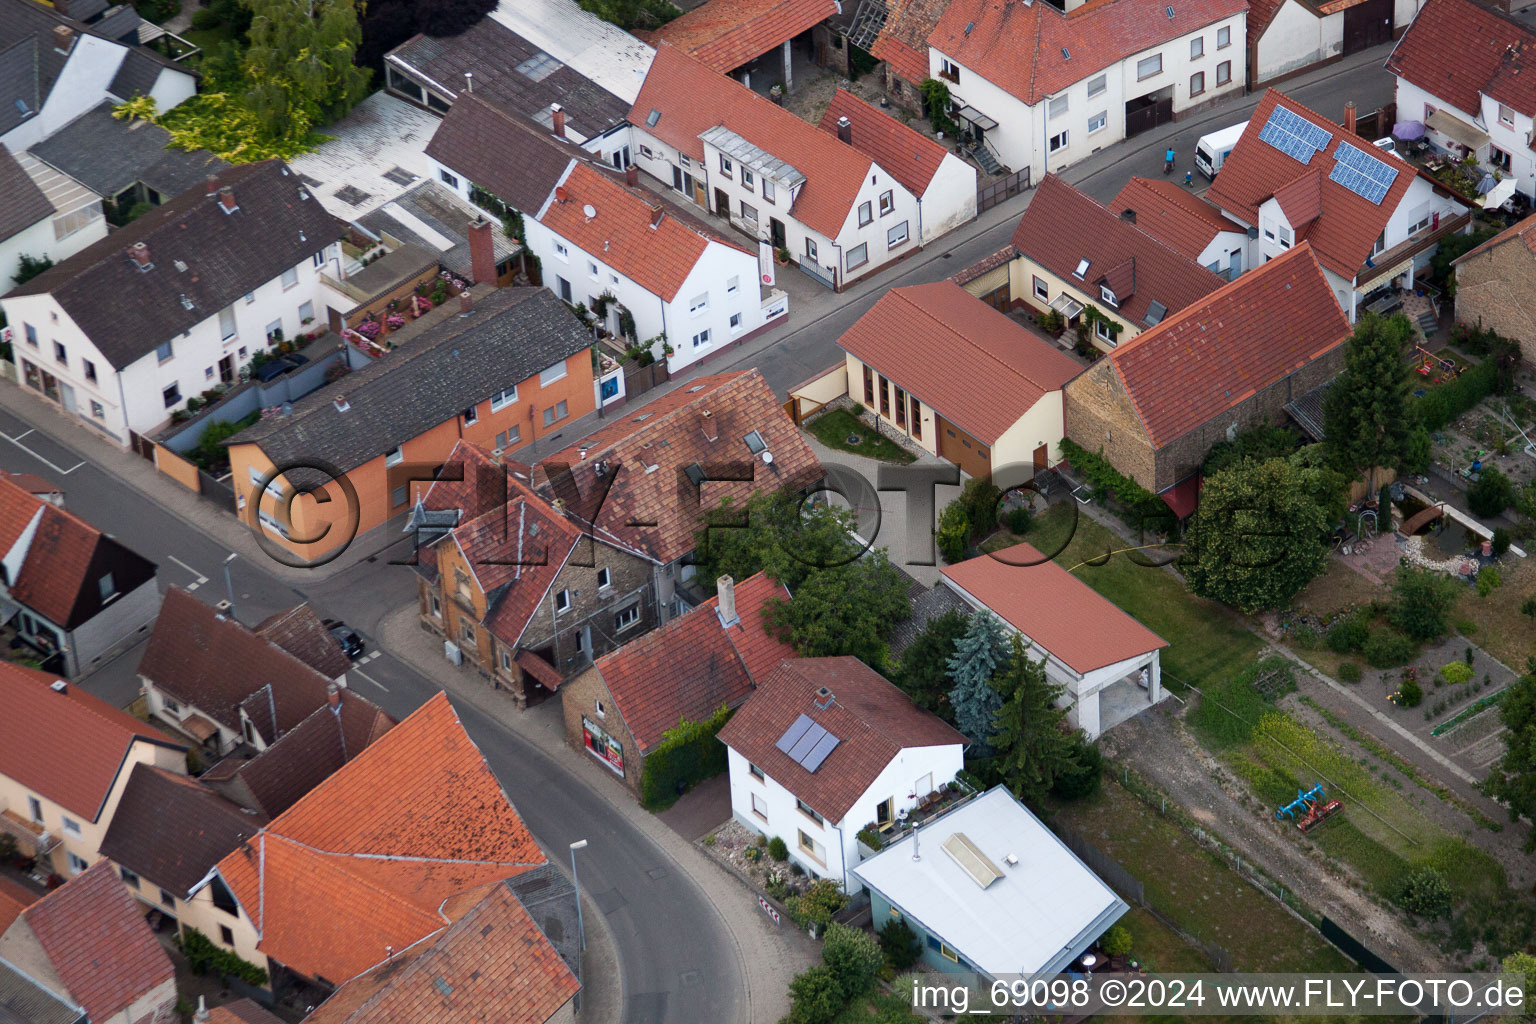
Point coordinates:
[(652, 118), (1082, 268), (696, 474), (755, 443), (539, 67), (1066, 54)]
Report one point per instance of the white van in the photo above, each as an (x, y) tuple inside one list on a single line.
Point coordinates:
[(1212, 150)]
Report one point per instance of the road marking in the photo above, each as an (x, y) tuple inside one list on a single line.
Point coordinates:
[(56, 468), (370, 678), (365, 659), (201, 579)]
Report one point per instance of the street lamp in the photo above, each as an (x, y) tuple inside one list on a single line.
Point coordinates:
[(229, 587), (580, 844)]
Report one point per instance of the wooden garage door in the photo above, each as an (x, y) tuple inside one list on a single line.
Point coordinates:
[(962, 449), (1367, 24)]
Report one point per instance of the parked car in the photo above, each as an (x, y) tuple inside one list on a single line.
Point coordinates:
[(279, 365), (347, 637)]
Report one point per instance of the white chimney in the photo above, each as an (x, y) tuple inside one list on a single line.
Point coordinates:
[(201, 1016), (725, 588)]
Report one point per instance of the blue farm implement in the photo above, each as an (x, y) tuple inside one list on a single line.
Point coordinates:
[(1309, 808)]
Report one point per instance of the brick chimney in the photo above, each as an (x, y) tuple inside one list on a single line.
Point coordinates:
[(227, 199), (466, 303), (657, 213), (708, 425), (482, 252), (725, 590), (63, 35), (1349, 117), (632, 175), (213, 183), (845, 130), (333, 696), (558, 113), (1129, 216), (140, 253)]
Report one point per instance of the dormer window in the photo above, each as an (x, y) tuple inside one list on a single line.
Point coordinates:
[(1108, 294), (1082, 268)]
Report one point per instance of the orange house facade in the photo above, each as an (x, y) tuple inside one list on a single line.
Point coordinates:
[(349, 458)]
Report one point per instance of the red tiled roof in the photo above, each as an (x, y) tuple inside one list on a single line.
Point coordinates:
[(303, 634), (872, 720), (67, 746), (1302, 200), (1167, 211), (658, 259), (480, 486), (13, 900), (1063, 226), (1521, 230), (1456, 49), (1007, 254), (725, 34), (659, 511), (492, 964), (903, 39), (1260, 14), (1347, 224), (989, 372), (1018, 46), (367, 859), (692, 665), (1059, 612), (1183, 497), (32, 483), (693, 99), (213, 663), (95, 936), (908, 62), (538, 667), (241, 1011), (1275, 319), (911, 157)]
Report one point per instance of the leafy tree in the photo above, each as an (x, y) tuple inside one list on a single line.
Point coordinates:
[(299, 64), (1513, 779), (776, 532), (31, 266), (1490, 494), (1320, 481), (980, 497), (954, 533), (1425, 892), (899, 942), (1366, 420), (1421, 602), (923, 673), (1034, 745), (1524, 963), (1257, 537), (1116, 941), (1257, 442), (979, 654), (632, 14), (847, 609), (1081, 775), (816, 996), (855, 958)]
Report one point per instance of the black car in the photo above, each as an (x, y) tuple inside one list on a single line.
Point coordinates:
[(347, 637), (279, 365)]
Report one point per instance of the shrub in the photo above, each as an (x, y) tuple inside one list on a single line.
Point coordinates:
[(1349, 671), (1080, 778), (687, 755), (817, 904), (1019, 520), (815, 997), (775, 886), (777, 850), (1528, 607), (980, 497), (899, 943), (202, 956), (1385, 648), (1348, 634), (855, 957), (1456, 673), (1444, 402), (1466, 627), (711, 839), (204, 19), (1412, 693), (1487, 581), (1425, 892), (1421, 601), (1490, 494), (870, 836), (1116, 941), (954, 533), (1501, 540)]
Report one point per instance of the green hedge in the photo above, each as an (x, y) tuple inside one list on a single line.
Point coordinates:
[(203, 956), (689, 754), (1443, 403), (1105, 479)]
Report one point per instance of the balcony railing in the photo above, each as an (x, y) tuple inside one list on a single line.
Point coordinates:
[(30, 837), (1389, 263)]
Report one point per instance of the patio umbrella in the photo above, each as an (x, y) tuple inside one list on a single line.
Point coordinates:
[(1408, 131), (1486, 184)]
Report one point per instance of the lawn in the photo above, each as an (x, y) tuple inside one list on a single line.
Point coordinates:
[(1205, 642), (834, 428)]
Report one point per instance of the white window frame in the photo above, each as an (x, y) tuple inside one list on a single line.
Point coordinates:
[(735, 323), (550, 374), (760, 806), (726, 165), (1286, 236), (1102, 332), (1058, 106), (768, 192), (866, 213), (1060, 141), (562, 253), (698, 304), (702, 339), (290, 278), (71, 826), (562, 601), (394, 456), (906, 236), (747, 180), (503, 398), (626, 618), (1107, 294), (1097, 86), (732, 284), (1041, 288), (1098, 122), (887, 201), (77, 863), (450, 180), (1145, 62), (1506, 116), (604, 578), (273, 488)]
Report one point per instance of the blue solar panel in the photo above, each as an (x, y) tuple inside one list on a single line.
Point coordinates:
[(1361, 173), (1294, 135), (793, 734), (818, 754)]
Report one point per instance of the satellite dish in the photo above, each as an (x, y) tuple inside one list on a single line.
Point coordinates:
[(589, 210)]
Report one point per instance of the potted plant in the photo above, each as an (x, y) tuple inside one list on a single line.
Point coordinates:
[(781, 256), (776, 93)]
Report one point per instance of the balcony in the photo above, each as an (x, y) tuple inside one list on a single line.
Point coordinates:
[(31, 838), (1399, 259)]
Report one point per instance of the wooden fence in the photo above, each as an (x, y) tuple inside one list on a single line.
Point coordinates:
[(989, 196)]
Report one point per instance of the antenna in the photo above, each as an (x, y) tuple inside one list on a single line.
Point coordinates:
[(916, 856)]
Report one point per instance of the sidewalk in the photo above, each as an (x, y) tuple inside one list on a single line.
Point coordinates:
[(769, 957)]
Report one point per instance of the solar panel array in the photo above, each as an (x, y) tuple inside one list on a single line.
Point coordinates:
[(1294, 135), (807, 743), (1362, 173)]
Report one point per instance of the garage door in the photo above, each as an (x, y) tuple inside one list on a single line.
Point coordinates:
[(962, 449), (1367, 24)]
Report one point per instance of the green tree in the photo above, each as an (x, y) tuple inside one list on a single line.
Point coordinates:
[(30, 267), (1257, 537), (899, 942), (1366, 421), (979, 654), (1490, 494), (815, 996), (1524, 963), (855, 958), (954, 533), (632, 14), (1257, 442), (299, 66), (1513, 779), (936, 103), (1421, 602), (1320, 481), (923, 673), (847, 609), (777, 532), (1033, 742), (1425, 892)]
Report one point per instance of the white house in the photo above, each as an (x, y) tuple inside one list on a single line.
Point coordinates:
[(1187, 223), (1042, 89), (1108, 663), (1464, 71), (839, 214), (1372, 218), (80, 67), (43, 213), (943, 184), (124, 332), (824, 747), (1290, 36)]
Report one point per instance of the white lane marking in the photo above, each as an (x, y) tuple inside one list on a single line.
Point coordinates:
[(370, 678), (56, 468), (201, 579)]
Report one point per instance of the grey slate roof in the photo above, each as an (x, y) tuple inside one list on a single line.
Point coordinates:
[(107, 155), (24, 1001), (22, 203), (512, 73), (550, 900), (127, 312), (501, 152), (511, 335), (138, 72), (444, 213), (926, 606)]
